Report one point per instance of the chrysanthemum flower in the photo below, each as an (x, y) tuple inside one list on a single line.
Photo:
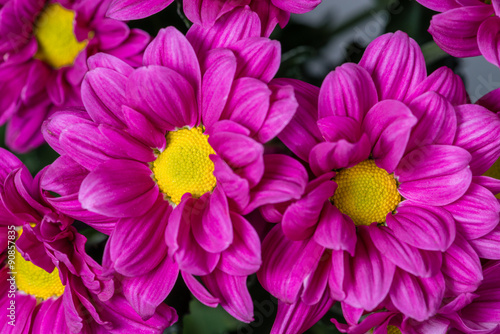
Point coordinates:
[(206, 12), (397, 198), (466, 28), (174, 150), (49, 284), (474, 313), (44, 47)]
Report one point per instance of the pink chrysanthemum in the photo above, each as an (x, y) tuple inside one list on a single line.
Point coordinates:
[(44, 46), (466, 28), (206, 12), (174, 150), (397, 201), (49, 284), (472, 313)]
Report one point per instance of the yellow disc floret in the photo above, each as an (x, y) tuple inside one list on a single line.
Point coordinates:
[(36, 281), (184, 166), (366, 193), (57, 43)]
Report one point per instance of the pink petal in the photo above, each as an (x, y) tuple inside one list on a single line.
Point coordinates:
[(135, 9), (389, 124), (171, 49), (421, 263), (199, 291), (335, 230), (347, 91), (418, 298), (119, 188), (476, 212), (488, 246), (168, 99), (396, 65), (301, 134), (422, 226), (286, 264)]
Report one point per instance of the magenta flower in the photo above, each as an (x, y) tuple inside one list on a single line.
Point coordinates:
[(474, 313), (49, 283), (206, 12), (466, 28), (397, 199), (44, 47), (174, 151)]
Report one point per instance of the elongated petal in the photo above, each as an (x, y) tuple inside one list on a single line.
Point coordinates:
[(479, 133), (368, 275), (301, 218), (284, 179), (217, 82), (437, 121), (455, 31), (434, 174), (301, 134), (396, 65), (461, 267), (137, 245), (258, 57), (199, 291), (242, 257), (147, 291), (347, 91), (165, 96), (286, 264), (488, 246), (415, 261), (389, 124), (232, 291), (444, 82), (299, 317), (214, 232), (335, 230), (418, 298), (476, 212), (108, 190), (422, 226), (135, 9), (170, 48)]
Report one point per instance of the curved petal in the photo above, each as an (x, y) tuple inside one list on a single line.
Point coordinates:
[(301, 134), (301, 218), (396, 65), (286, 264), (388, 125), (434, 174), (217, 82), (347, 91), (368, 275), (164, 96), (135, 9), (479, 133), (206, 12), (335, 230), (488, 246), (232, 292), (243, 256), (487, 39), (476, 212), (461, 268), (437, 121), (119, 188), (418, 298), (444, 82), (425, 227), (137, 244), (171, 49), (421, 263), (326, 157), (455, 31)]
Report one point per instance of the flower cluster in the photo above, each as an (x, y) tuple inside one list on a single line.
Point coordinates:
[(190, 158)]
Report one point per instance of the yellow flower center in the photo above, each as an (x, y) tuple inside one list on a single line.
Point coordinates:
[(36, 281), (366, 193), (184, 166), (57, 43)]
